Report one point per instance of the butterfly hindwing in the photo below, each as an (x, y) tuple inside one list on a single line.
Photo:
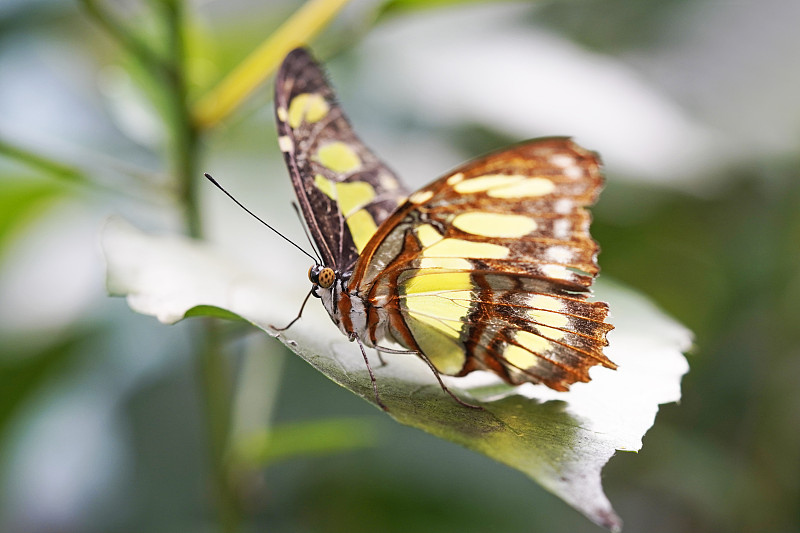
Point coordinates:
[(345, 192), (490, 267)]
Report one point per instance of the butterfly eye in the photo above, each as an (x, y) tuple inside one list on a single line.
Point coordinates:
[(326, 277), (322, 276), (313, 274)]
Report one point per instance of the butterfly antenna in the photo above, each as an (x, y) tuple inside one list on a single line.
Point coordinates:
[(305, 230), (284, 237)]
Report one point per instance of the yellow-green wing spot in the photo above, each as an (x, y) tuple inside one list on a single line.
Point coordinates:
[(524, 189), (427, 235), (305, 107), (522, 354), (527, 348), (442, 349), (556, 271), (504, 185), (468, 249), (351, 198), (547, 313), (484, 183), (420, 197), (434, 245), (326, 186), (494, 224), (437, 305), (362, 227), (447, 263), (338, 157), (424, 281)]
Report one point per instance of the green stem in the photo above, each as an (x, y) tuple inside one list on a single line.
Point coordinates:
[(212, 367), (128, 40), (214, 378), (48, 166), (67, 173), (185, 135)]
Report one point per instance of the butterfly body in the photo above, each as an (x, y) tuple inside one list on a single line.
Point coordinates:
[(487, 268)]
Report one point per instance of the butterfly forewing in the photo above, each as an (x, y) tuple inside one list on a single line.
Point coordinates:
[(490, 267), (344, 190)]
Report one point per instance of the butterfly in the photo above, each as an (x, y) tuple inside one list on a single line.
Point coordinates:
[(487, 268)]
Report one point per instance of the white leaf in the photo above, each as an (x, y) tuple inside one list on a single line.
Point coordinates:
[(560, 439)]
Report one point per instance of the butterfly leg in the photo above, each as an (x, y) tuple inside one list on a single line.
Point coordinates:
[(433, 369), (371, 376), (392, 350), (382, 349), (299, 314), (444, 387)]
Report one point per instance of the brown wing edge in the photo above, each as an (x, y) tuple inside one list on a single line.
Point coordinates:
[(299, 73)]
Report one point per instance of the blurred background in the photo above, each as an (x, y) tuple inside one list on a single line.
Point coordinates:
[(110, 421)]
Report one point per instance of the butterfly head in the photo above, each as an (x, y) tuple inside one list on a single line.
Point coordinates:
[(322, 277), (328, 285)]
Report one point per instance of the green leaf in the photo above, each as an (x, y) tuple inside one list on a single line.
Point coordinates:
[(212, 311), (395, 7), (309, 20), (22, 375), (304, 439), (20, 200), (49, 167), (560, 439)]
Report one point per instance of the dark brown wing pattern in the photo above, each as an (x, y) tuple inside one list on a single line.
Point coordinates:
[(344, 190), (490, 266)]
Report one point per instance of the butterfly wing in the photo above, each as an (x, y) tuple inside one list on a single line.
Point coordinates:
[(490, 266), (345, 192)]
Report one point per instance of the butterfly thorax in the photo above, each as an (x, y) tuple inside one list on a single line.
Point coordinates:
[(326, 283), (348, 309)]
